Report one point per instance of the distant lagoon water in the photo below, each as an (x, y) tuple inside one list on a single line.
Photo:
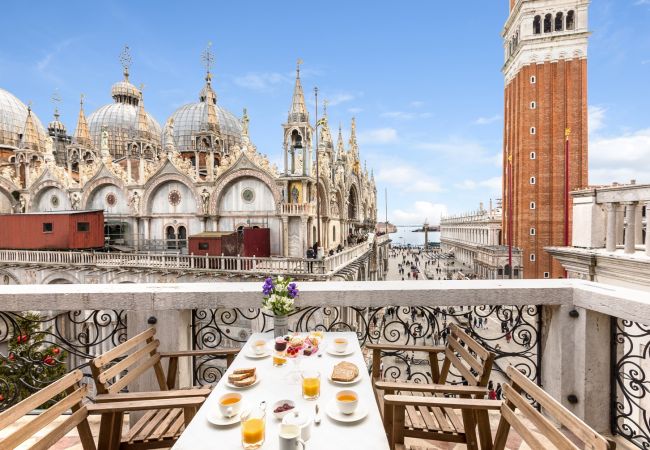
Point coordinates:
[(409, 237)]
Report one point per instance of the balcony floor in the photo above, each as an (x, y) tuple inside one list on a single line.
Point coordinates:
[(71, 440)]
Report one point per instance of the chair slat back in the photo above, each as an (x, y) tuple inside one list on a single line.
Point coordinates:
[(73, 400), (516, 399), (467, 357), (115, 369)]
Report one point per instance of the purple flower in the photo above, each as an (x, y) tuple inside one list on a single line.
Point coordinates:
[(267, 288), (292, 290)]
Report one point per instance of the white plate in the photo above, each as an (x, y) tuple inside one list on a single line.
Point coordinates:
[(333, 412), (249, 354), (356, 380), (232, 386), (333, 352), (215, 418)]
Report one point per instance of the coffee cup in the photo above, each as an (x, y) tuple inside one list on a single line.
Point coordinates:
[(347, 401), (259, 347), (290, 437), (340, 345), (230, 404)]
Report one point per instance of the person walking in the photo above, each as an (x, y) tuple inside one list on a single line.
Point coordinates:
[(499, 391)]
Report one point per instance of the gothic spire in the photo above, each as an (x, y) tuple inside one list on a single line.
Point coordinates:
[(30, 139), (325, 136), (353, 138), (340, 150), (207, 95), (298, 112), (81, 133)]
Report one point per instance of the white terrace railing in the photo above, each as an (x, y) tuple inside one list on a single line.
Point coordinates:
[(582, 341), (189, 263)]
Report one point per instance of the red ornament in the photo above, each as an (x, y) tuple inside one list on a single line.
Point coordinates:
[(48, 360), (11, 357), (2, 398), (56, 350)]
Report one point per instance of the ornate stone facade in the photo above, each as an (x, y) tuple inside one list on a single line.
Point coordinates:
[(200, 172)]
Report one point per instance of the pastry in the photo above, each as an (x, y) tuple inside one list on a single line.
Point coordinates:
[(345, 371)]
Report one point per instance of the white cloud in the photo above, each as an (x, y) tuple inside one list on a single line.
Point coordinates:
[(596, 118), (262, 81), (419, 212), (493, 184), (416, 104), (378, 136), (408, 178), (620, 158), (339, 98), (487, 120), (44, 62), (403, 115)]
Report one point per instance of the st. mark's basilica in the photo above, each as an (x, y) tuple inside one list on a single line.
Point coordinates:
[(200, 172)]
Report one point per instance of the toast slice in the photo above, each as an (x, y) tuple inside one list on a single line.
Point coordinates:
[(245, 382), (345, 371), (237, 377), (244, 371)]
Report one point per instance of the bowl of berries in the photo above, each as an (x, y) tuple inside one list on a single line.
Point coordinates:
[(281, 408)]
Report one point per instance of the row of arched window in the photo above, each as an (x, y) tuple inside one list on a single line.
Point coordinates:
[(558, 23)]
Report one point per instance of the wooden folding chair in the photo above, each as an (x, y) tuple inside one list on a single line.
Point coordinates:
[(159, 426), (464, 357), (74, 393), (516, 412)]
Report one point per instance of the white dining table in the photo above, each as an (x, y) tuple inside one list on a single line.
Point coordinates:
[(274, 386)]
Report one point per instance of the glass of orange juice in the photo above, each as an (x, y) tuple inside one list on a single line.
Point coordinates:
[(252, 428), (279, 359), (310, 384)]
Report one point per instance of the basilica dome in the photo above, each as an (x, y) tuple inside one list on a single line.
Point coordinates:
[(13, 114), (121, 120), (195, 118)]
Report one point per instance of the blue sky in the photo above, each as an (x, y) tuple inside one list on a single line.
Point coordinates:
[(422, 78)]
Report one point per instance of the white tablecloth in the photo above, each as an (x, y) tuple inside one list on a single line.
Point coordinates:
[(329, 435)]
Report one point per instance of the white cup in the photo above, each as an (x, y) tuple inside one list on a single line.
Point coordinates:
[(290, 437), (347, 407), (259, 347), (302, 420), (230, 409), (340, 345)]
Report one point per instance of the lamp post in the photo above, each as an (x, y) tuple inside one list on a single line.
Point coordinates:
[(317, 172)]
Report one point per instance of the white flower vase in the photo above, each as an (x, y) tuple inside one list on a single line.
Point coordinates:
[(280, 325)]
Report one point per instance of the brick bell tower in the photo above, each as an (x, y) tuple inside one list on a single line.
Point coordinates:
[(545, 126)]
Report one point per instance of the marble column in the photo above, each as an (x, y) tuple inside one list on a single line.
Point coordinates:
[(285, 236), (638, 230), (136, 231), (630, 233), (286, 160), (610, 241), (647, 228), (145, 222)]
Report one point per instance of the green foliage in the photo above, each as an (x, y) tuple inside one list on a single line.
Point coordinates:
[(31, 363)]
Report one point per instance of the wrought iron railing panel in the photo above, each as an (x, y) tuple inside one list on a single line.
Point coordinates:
[(631, 388), (512, 333), (38, 348)]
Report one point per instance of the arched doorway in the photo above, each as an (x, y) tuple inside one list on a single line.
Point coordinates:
[(182, 237), (170, 236)]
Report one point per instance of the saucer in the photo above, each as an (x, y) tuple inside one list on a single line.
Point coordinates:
[(333, 352), (356, 380), (232, 386), (250, 354), (333, 412), (215, 418)]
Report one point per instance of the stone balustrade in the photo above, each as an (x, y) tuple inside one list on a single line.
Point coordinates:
[(565, 329), (299, 209), (613, 218)]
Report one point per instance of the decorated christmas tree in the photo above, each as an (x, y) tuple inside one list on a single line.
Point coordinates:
[(31, 362)]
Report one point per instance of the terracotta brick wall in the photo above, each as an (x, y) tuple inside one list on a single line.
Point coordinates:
[(560, 93)]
